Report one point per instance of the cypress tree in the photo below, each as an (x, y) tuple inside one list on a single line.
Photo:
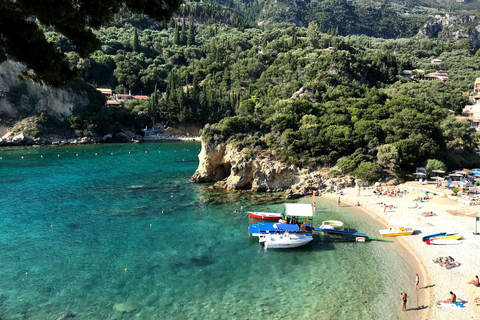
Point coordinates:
[(135, 41)]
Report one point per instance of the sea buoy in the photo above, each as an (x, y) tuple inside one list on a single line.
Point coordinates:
[(146, 151), (51, 226), (111, 152), (95, 153), (126, 269), (76, 154), (150, 225), (22, 157), (41, 156), (26, 273), (58, 154)]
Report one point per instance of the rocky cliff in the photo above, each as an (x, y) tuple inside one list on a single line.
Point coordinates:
[(454, 28), (232, 169), (20, 99)]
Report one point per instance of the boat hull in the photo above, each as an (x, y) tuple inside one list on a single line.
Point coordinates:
[(443, 241), (431, 236), (332, 225), (452, 237), (395, 232), (266, 215), (282, 241)]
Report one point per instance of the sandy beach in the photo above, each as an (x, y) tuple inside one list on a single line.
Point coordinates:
[(435, 281)]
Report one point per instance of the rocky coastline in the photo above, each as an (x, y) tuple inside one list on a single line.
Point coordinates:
[(232, 170)]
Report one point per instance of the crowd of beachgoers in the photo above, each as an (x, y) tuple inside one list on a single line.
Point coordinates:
[(444, 272)]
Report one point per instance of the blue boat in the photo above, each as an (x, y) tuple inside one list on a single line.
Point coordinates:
[(269, 227), (433, 236)]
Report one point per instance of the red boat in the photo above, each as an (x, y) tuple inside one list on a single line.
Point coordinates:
[(266, 215)]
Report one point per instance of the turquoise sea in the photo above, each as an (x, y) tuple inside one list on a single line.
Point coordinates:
[(83, 234)]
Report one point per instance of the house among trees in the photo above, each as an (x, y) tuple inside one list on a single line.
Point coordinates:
[(472, 113), (440, 75), (476, 85), (106, 92), (436, 62), (114, 99)]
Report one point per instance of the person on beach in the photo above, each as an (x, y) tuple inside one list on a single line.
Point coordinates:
[(358, 194), (404, 301), (338, 202), (453, 298), (417, 280), (475, 282)]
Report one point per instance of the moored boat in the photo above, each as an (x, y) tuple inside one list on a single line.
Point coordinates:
[(265, 215), (284, 240), (332, 225), (393, 232)]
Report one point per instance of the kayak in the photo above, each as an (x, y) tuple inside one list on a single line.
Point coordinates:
[(450, 236), (433, 236)]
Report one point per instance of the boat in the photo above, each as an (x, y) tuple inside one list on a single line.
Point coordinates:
[(266, 215), (261, 228), (454, 236), (433, 236), (393, 232), (284, 240), (332, 224), (443, 241)]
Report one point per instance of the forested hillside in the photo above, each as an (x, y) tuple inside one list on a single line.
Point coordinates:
[(308, 92)]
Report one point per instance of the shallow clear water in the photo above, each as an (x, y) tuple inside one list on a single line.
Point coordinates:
[(86, 224)]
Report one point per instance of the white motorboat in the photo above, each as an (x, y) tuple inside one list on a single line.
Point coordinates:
[(284, 240), (332, 225)]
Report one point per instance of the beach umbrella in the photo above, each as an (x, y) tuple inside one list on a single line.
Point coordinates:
[(438, 171), (420, 174), (454, 175)]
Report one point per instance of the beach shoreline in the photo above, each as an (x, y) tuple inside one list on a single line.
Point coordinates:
[(435, 282)]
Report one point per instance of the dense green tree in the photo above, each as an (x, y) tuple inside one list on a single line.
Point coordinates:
[(22, 35)]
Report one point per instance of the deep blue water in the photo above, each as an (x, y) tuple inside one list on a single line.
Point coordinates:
[(82, 232)]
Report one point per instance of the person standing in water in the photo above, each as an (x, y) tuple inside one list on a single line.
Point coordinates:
[(404, 301)]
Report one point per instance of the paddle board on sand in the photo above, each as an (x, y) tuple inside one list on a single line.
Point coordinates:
[(443, 241)]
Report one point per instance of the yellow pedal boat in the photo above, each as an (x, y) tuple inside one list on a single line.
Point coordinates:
[(393, 232)]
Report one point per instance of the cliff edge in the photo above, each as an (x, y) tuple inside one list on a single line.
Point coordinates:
[(235, 169)]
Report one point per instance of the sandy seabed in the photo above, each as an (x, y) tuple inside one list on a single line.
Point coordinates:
[(436, 282)]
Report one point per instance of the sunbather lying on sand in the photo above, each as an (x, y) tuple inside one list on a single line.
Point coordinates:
[(429, 214)]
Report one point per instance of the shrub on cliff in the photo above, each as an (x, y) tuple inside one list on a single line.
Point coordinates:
[(369, 172)]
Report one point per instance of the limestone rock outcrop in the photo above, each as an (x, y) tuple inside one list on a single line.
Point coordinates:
[(233, 170)]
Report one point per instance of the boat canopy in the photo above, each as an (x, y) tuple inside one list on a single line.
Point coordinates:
[(298, 210)]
